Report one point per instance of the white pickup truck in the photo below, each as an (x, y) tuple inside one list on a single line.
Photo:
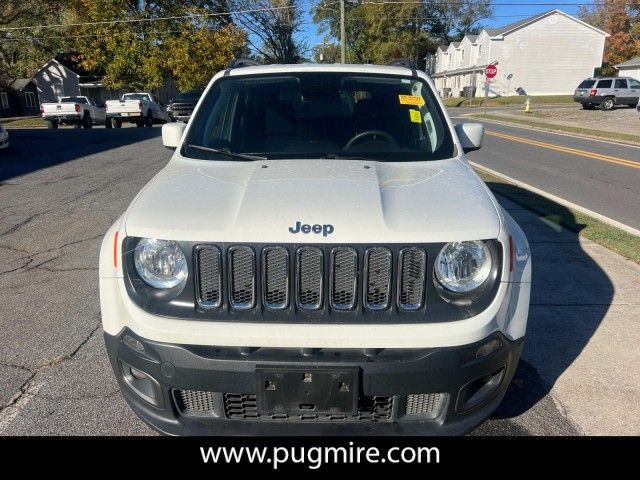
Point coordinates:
[(76, 111), (143, 109)]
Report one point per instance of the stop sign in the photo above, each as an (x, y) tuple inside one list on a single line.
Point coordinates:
[(490, 71)]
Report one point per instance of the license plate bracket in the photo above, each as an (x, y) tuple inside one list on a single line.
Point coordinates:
[(307, 391)]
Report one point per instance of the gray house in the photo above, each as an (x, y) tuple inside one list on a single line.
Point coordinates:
[(630, 68), (62, 76)]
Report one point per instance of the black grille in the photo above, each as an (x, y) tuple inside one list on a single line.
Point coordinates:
[(242, 277), (195, 401), (344, 278), (413, 266), (240, 406), (282, 277), (276, 277), (310, 273), (378, 275), (209, 276)]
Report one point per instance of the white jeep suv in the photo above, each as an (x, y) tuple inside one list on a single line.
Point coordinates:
[(317, 257)]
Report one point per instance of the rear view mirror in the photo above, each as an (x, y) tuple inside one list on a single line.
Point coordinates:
[(172, 134), (471, 136)]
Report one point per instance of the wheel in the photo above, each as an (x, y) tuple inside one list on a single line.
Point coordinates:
[(107, 123), (52, 124), (608, 104), (117, 123), (149, 120), (87, 122)]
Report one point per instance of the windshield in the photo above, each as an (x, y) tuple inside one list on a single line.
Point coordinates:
[(73, 100), (135, 96), (320, 115)]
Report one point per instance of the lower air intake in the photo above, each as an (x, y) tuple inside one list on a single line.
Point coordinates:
[(195, 401), (425, 404)]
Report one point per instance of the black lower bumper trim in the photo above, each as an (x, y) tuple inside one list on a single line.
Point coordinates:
[(473, 387)]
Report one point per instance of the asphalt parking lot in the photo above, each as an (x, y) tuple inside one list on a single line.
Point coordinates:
[(61, 190)]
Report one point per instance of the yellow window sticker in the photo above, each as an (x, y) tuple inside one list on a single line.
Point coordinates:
[(411, 100), (415, 116)]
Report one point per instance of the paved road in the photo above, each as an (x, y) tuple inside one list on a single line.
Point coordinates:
[(61, 190), (603, 177)]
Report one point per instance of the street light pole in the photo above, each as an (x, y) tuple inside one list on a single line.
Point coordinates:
[(343, 47)]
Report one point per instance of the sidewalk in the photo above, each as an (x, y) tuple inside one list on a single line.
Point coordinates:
[(583, 336)]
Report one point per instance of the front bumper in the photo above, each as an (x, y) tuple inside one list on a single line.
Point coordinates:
[(471, 386)]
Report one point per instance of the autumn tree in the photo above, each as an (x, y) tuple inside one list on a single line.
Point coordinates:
[(273, 27), (137, 44)]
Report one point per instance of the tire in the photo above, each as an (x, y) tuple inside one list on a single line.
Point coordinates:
[(608, 104), (52, 124), (87, 122), (117, 123), (107, 123), (149, 120)]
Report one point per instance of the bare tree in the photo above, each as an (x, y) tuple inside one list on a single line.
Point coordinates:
[(272, 26)]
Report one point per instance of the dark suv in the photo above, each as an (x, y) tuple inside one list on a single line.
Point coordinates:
[(181, 108), (607, 92)]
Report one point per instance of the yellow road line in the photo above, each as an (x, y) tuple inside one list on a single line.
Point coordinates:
[(574, 151)]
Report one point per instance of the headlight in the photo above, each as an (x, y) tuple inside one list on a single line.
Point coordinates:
[(160, 263), (463, 266)]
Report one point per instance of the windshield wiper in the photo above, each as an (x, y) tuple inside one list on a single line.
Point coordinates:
[(227, 153)]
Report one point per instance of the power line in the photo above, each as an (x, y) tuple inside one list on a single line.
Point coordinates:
[(150, 19)]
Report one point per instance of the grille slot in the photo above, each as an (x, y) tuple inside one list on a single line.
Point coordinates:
[(275, 278), (195, 401), (209, 281), (344, 278), (242, 278), (240, 406), (378, 278), (309, 273), (427, 404), (412, 278)]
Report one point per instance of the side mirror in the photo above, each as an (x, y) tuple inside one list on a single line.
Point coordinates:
[(172, 134), (471, 136)]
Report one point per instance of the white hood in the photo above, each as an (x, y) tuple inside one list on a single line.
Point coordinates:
[(363, 202)]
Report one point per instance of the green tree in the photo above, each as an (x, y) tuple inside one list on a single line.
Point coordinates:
[(24, 45), (136, 43), (378, 32)]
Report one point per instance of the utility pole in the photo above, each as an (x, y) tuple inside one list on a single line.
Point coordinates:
[(343, 34)]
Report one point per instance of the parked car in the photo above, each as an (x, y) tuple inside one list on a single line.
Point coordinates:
[(318, 256), (77, 111), (607, 92), (4, 137), (181, 108), (143, 109)]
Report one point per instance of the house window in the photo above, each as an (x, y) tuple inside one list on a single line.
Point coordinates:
[(462, 53), (4, 98), (30, 99), (479, 51)]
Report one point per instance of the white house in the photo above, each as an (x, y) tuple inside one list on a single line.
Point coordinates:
[(630, 68), (546, 54)]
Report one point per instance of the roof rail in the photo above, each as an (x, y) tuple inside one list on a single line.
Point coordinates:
[(242, 62), (403, 62)]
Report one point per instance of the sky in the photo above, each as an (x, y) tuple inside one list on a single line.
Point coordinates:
[(503, 14)]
